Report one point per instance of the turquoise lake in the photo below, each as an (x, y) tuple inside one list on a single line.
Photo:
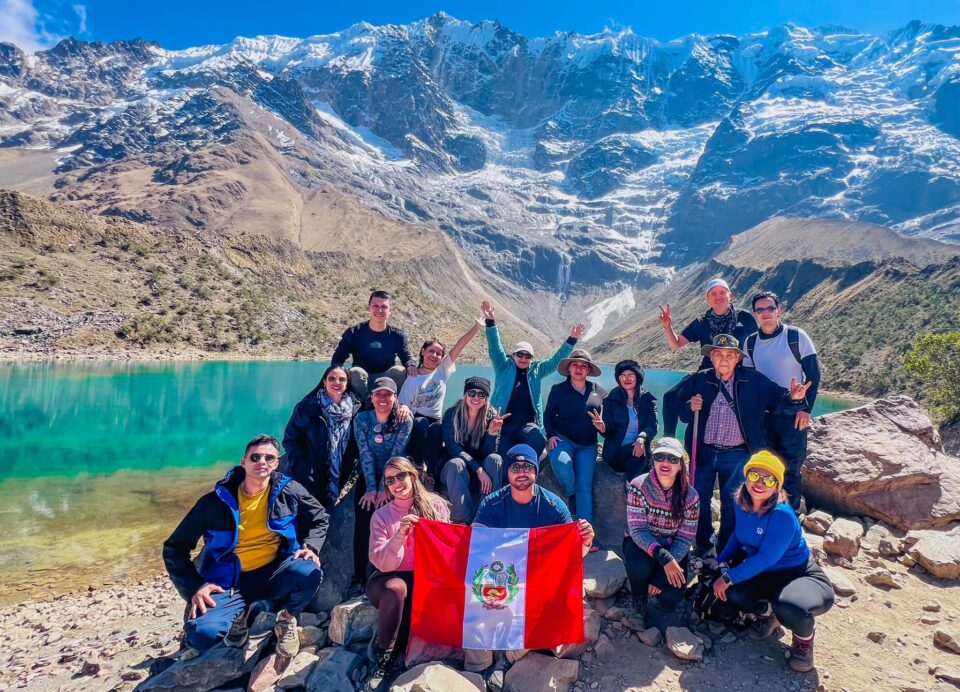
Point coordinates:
[(103, 459)]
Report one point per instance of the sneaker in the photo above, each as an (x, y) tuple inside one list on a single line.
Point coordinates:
[(494, 680), (801, 654), (385, 666), (239, 630), (288, 639)]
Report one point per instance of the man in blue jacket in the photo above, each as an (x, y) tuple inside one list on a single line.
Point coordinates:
[(516, 390), (734, 402), (262, 534)]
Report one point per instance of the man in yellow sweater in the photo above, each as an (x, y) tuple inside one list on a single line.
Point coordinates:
[(262, 534)]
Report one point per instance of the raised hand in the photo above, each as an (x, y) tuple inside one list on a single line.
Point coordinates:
[(597, 421), (488, 311), (666, 320), (798, 392), (578, 330)]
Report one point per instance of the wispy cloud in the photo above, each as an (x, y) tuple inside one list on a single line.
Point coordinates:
[(31, 28)]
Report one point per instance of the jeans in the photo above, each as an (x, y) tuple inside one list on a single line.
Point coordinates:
[(460, 482), (286, 583), (790, 445), (573, 465), (727, 466), (643, 570), (528, 434)]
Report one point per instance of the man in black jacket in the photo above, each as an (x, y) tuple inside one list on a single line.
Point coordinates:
[(734, 402), (262, 534), (374, 347)]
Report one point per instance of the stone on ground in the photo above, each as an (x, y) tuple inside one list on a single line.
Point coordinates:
[(591, 631), (268, 673), (884, 577), (843, 538), (436, 677), (817, 522), (938, 552), (420, 651), (884, 540), (299, 669), (337, 671), (352, 621), (337, 558), (650, 636), (883, 460), (948, 639), (541, 673), (842, 585), (603, 574), (209, 670), (815, 543), (604, 648), (684, 644)]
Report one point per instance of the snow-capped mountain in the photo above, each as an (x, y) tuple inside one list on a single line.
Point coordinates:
[(564, 162)]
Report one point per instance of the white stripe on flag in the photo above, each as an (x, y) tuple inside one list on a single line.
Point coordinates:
[(495, 589)]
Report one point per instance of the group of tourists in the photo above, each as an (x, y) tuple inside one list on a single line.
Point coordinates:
[(376, 431)]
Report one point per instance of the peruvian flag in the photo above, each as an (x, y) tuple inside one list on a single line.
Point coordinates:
[(481, 588)]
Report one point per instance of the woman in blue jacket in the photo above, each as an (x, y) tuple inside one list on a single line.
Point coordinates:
[(630, 417), (766, 567)]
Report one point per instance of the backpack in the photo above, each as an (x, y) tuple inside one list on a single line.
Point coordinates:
[(710, 608), (793, 340)]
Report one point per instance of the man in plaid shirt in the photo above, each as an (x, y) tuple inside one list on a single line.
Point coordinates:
[(733, 402)]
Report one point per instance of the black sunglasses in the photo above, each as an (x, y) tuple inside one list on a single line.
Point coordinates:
[(522, 467), (667, 457), (523, 354), (401, 476), (477, 393), (269, 458)]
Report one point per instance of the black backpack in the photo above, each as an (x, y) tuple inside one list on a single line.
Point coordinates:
[(710, 608)]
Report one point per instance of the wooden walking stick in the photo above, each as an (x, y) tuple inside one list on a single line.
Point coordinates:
[(693, 451)]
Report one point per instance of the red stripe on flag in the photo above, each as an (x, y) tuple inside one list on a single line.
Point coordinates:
[(554, 587), (440, 553)]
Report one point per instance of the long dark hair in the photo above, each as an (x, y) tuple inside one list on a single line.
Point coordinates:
[(743, 498), (681, 486), (462, 432), (424, 502), (428, 343), (331, 368)]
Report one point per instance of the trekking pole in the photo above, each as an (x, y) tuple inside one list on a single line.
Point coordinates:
[(693, 451)]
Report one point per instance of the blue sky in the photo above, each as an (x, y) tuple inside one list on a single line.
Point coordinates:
[(35, 24)]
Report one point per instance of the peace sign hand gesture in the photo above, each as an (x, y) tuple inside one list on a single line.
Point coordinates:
[(798, 392), (597, 420), (496, 422), (665, 318)]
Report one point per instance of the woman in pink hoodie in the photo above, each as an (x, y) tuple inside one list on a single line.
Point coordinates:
[(391, 552)]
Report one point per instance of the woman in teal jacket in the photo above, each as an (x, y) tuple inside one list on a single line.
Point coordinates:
[(516, 391)]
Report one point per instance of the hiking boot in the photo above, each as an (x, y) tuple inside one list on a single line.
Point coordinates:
[(239, 630), (288, 639), (385, 665), (494, 680), (801, 654), (763, 626)]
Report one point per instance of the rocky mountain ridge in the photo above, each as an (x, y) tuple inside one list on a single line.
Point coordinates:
[(566, 164)]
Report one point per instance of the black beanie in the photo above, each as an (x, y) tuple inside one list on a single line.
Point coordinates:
[(631, 365), (481, 383)]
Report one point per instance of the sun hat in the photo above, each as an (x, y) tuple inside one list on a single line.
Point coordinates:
[(578, 355), (668, 445), (722, 341), (768, 462), (523, 346)]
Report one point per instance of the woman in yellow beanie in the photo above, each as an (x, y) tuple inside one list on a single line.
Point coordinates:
[(766, 567)]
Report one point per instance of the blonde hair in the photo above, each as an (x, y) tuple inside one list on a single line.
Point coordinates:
[(425, 503)]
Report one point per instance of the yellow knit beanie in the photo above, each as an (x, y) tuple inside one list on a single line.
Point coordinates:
[(768, 462)]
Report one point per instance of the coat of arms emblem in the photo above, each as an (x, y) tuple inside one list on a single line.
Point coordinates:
[(495, 585)]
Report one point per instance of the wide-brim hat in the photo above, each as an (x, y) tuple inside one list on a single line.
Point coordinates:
[(578, 355), (726, 341)]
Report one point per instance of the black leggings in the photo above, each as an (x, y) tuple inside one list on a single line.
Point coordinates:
[(361, 533), (796, 594), (426, 444), (643, 570), (391, 593)]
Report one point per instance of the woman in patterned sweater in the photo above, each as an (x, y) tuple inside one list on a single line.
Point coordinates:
[(662, 512)]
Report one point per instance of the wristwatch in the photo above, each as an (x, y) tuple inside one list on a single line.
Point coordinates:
[(725, 578)]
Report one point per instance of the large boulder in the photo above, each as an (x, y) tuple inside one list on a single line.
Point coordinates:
[(883, 460), (337, 557), (436, 677), (210, 670), (591, 632), (609, 502), (843, 538), (538, 672), (352, 621), (337, 672), (603, 574)]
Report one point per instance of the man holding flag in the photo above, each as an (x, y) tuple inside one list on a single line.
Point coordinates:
[(475, 585)]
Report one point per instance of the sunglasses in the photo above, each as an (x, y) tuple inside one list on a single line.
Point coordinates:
[(336, 379), (477, 394), (522, 467), (390, 480), (760, 311), (524, 355), (668, 458), (768, 481), (269, 458)]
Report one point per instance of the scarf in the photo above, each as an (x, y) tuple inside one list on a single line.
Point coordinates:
[(338, 418), (721, 324)]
